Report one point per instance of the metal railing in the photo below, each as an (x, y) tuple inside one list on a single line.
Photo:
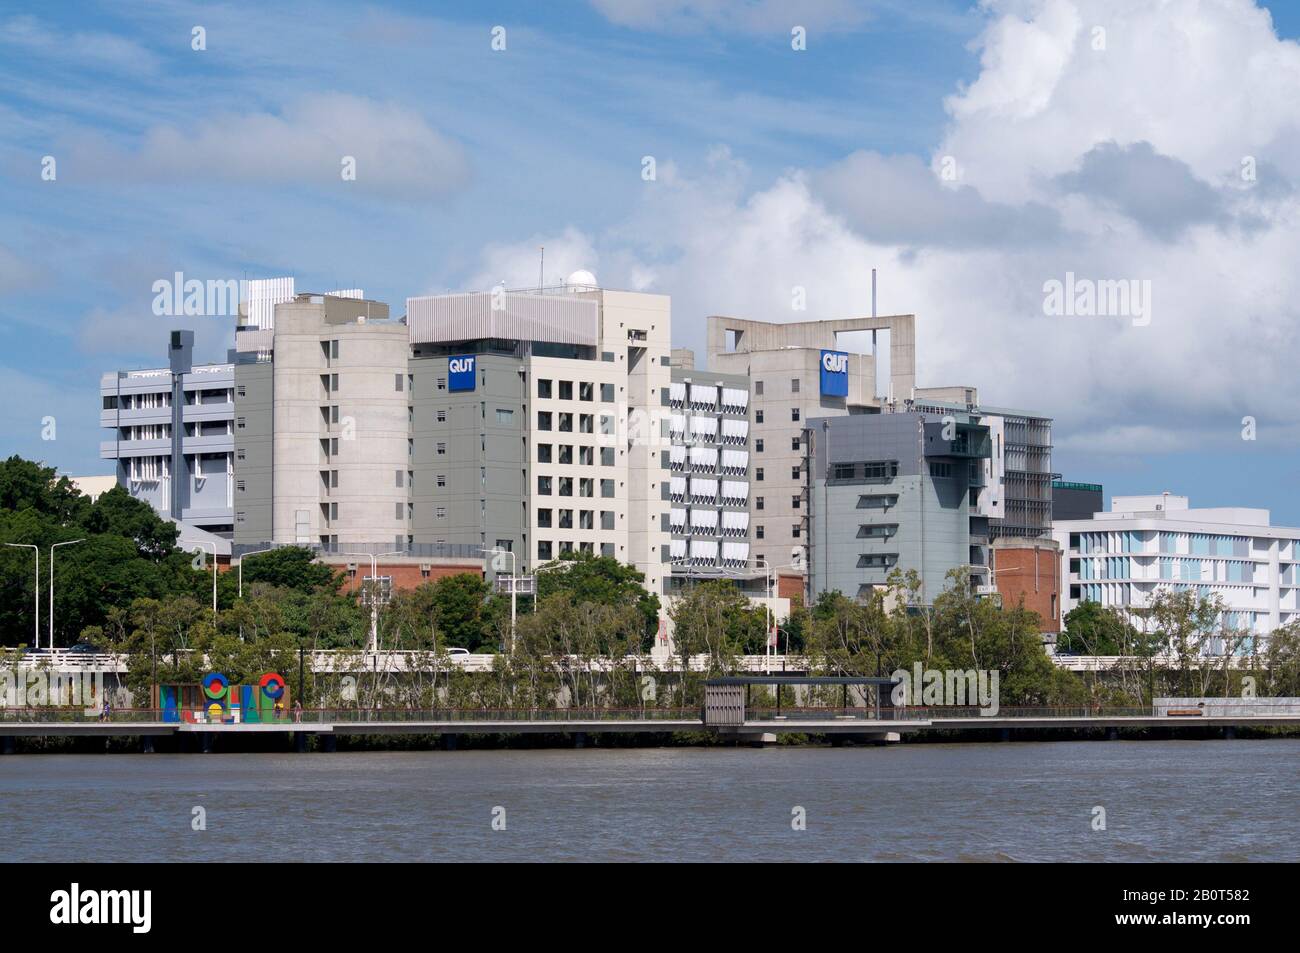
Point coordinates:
[(330, 716)]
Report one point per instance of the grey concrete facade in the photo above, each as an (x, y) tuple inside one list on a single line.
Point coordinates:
[(893, 491)]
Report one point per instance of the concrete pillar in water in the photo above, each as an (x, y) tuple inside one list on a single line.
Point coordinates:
[(1229, 732), (300, 742), (1112, 734), (7, 744), (580, 739), (205, 742), (448, 742), (146, 744), (329, 743), (1004, 734)]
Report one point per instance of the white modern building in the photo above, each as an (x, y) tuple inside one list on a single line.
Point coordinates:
[(1122, 557)]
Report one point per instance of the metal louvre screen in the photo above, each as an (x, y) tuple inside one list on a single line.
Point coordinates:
[(558, 319)]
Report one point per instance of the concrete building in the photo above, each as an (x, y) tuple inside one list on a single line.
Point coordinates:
[(797, 372), (172, 436), (894, 491), (1122, 557)]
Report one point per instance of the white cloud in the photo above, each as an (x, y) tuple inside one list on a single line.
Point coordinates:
[(749, 16), (76, 50), (396, 152), (1048, 187)]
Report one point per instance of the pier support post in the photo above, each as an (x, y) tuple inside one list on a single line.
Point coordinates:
[(580, 739), (146, 744), (1112, 734), (448, 742), (1004, 734), (300, 742), (7, 744), (1229, 732), (205, 742), (329, 743)]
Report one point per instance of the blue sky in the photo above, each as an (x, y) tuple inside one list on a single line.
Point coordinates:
[(776, 168)]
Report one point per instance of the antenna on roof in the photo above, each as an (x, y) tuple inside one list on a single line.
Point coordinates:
[(541, 269)]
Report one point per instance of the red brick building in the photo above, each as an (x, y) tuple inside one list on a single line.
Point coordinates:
[(1030, 570)]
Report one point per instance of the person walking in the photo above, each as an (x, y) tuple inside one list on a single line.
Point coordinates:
[(297, 710)]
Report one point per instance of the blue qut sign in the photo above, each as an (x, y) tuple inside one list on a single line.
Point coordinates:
[(835, 374), (460, 372)]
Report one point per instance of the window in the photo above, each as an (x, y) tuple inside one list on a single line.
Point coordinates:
[(334, 479), (758, 388), (334, 382), (586, 487), (607, 549), (758, 445), (606, 519), (794, 385), (607, 489), (566, 519), (399, 475), (334, 350), (566, 390), (566, 486), (441, 416), (543, 420), (586, 391), (606, 456), (758, 473), (794, 473), (586, 456), (586, 519), (544, 518), (607, 393), (397, 511), (794, 502), (794, 531), (544, 550), (441, 448), (758, 532), (585, 422), (441, 383), (606, 424), (543, 486), (441, 479), (505, 418), (566, 454), (940, 471), (794, 413), (758, 416), (758, 502), (397, 382), (566, 423), (543, 387), (794, 443), (543, 453)]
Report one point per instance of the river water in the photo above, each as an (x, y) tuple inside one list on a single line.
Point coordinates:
[(1163, 801)]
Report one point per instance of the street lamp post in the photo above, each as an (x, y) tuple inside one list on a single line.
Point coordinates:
[(67, 542), (256, 552), (36, 593), (200, 542), (374, 600), (514, 585)]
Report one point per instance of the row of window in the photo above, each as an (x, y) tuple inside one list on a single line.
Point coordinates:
[(794, 473), (586, 486), (563, 519), (546, 453), (563, 390), (546, 550)]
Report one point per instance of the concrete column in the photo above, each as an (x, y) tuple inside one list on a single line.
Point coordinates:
[(7, 745), (448, 742), (205, 742), (580, 739), (146, 744), (1112, 734), (300, 742)]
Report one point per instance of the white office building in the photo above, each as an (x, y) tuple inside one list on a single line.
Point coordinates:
[(1121, 558)]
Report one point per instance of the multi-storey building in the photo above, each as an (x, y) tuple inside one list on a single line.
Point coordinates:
[(797, 372), (1122, 557), (709, 487), (894, 491), (1075, 501), (173, 436)]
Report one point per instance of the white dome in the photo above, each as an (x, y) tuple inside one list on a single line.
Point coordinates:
[(581, 280)]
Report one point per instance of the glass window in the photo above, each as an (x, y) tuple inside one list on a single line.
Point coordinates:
[(543, 387)]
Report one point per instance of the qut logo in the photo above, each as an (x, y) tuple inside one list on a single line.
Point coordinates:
[(835, 374), (460, 373)]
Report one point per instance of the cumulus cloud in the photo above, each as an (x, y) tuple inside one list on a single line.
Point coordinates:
[(395, 152), (1114, 164)]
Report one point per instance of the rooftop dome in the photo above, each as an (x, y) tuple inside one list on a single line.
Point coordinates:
[(581, 280)]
